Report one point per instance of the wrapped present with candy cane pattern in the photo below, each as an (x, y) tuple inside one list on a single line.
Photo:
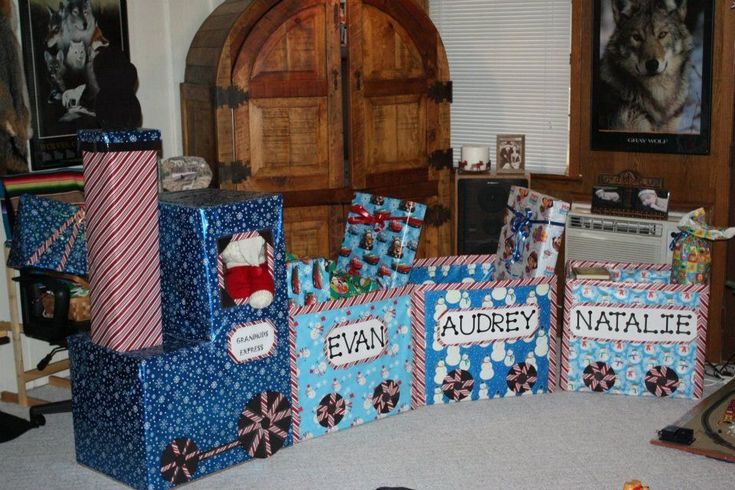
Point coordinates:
[(477, 339), (636, 334), (381, 238), (531, 235), (351, 361)]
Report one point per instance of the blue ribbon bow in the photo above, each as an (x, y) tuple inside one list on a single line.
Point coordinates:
[(676, 237), (520, 225)]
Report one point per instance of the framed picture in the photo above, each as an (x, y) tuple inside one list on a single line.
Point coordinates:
[(637, 202), (510, 151), (652, 76), (60, 41)]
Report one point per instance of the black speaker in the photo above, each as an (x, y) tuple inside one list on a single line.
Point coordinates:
[(481, 205)]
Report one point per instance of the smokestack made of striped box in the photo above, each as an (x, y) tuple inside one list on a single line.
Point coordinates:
[(121, 195)]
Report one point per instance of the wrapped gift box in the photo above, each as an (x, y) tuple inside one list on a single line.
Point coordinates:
[(171, 414), (531, 236), (476, 340), (307, 281), (196, 226), (381, 238), (49, 235), (636, 334), (351, 361), (121, 197)]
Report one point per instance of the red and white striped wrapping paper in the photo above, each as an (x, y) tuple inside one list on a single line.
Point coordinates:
[(121, 195)]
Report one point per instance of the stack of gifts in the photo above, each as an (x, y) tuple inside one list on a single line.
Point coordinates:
[(377, 252), (692, 257), (531, 236)]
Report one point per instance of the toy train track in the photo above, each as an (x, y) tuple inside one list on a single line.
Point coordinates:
[(711, 433), (262, 430)]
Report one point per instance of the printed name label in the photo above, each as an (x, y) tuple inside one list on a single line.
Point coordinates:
[(634, 324), (469, 327), (252, 341), (357, 342)]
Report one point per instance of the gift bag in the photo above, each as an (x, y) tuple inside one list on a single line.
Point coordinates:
[(531, 236), (49, 235), (381, 239), (692, 258)]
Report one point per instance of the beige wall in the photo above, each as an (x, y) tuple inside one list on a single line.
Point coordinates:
[(160, 32)]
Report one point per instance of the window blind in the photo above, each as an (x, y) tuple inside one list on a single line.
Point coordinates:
[(509, 63)]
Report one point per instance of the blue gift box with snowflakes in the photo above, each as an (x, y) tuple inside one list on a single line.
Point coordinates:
[(635, 334), (352, 361), (168, 415), (198, 232), (477, 339)]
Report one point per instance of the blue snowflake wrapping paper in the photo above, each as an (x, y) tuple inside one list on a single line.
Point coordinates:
[(637, 335), (531, 236), (307, 281), (167, 415), (49, 235), (192, 223), (352, 361), (104, 140), (481, 340), (378, 246)]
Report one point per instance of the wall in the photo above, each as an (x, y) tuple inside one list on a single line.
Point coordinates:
[(694, 181), (160, 32)]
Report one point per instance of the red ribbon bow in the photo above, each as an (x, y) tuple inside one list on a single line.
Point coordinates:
[(378, 219)]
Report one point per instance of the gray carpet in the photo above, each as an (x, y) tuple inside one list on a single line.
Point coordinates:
[(563, 440)]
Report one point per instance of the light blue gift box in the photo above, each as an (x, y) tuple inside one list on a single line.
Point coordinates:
[(478, 339), (636, 334), (351, 362)]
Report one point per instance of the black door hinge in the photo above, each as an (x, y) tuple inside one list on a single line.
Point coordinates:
[(441, 92), (231, 97), (442, 159), (233, 172)]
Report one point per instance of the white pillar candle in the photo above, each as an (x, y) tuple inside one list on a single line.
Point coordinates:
[(475, 158)]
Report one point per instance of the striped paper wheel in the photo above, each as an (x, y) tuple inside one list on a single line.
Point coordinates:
[(264, 424), (661, 381), (458, 384), (522, 377), (331, 410), (599, 377), (179, 461), (386, 396)]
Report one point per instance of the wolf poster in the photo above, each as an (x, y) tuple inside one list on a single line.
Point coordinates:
[(60, 41), (651, 84)]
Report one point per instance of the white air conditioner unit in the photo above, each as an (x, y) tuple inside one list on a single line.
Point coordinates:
[(600, 237)]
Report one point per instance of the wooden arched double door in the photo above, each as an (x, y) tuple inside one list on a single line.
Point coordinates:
[(317, 99)]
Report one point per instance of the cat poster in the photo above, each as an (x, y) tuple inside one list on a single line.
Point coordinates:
[(60, 41)]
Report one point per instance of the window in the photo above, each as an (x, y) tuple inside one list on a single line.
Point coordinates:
[(509, 62)]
